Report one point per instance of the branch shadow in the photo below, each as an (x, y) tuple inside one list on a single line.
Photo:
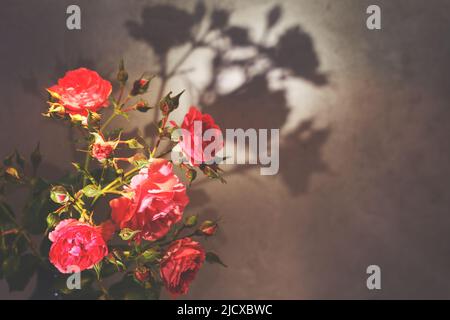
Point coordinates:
[(252, 103)]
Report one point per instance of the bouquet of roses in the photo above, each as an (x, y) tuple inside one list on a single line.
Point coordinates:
[(144, 241)]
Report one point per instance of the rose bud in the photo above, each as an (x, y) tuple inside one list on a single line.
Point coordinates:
[(142, 274), (208, 228), (101, 149), (169, 103), (52, 219), (122, 75), (191, 221), (59, 195), (140, 86), (142, 106)]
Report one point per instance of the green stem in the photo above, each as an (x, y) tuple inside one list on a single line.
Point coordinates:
[(175, 238), (111, 187), (108, 121), (158, 141), (87, 161)]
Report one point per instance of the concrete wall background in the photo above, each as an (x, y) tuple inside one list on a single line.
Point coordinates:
[(365, 154)]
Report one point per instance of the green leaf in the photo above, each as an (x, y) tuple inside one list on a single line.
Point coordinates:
[(128, 234), (211, 257), (91, 190), (37, 208), (19, 270), (134, 144)]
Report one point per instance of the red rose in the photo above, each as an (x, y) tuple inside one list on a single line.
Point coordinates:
[(76, 244), (193, 145), (180, 264), (157, 202), (80, 91)]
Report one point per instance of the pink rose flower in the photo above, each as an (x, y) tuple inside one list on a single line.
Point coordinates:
[(157, 202), (77, 244)]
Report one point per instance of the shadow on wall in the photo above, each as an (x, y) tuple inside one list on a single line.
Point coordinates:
[(251, 103)]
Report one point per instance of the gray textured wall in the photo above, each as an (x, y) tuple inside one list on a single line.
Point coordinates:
[(365, 154)]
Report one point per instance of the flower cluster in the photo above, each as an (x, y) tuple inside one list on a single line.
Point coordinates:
[(146, 235)]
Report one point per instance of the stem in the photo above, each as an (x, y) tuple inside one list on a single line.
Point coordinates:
[(161, 88), (122, 87), (175, 238), (120, 104), (103, 127), (87, 160), (11, 231), (108, 121), (158, 141), (110, 186)]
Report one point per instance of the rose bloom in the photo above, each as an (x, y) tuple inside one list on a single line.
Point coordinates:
[(193, 145), (156, 203), (80, 91), (77, 244), (180, 265), (101, 149)]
